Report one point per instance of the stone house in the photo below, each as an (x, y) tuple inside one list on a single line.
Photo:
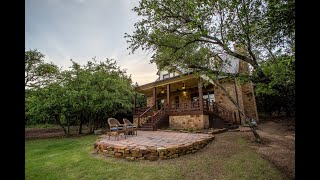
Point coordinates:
[(182, 100)]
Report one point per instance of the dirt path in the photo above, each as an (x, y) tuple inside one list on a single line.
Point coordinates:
[(278, 146), (42, 133)]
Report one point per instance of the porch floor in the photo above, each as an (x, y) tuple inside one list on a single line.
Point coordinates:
[(152, 145)]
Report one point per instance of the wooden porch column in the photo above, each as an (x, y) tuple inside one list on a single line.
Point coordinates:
[(135, 102), (168, 97), (155, 97), (200, 94)]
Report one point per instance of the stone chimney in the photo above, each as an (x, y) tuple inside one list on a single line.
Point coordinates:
[(248, 97), (243, 66)]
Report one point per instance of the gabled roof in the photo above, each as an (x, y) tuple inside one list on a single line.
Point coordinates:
[(231, 65)]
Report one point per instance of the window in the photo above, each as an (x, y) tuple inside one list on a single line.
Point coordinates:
[(209, 96), (194, 97), (165, 76)]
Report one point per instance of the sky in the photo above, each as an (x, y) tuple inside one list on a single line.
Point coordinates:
[(83, 29)]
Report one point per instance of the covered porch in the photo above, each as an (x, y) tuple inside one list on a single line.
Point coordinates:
[(183, 100), (178, 94)]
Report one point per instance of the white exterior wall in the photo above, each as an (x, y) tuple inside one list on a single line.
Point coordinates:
[(161, 73)]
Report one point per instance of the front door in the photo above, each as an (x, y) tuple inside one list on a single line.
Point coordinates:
[(160, 103)]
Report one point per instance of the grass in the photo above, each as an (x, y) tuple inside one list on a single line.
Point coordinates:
[(72, 158)]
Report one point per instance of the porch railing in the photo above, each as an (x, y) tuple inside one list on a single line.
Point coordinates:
[(158, 115), (187, 106), (144, 115), (146, 112), (139, 110), (191, 106), (224, 113)]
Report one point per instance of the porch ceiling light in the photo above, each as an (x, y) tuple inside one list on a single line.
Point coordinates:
[(162, 91), (183, 86)]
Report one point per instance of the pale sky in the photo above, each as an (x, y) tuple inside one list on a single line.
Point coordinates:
[(83, 29)]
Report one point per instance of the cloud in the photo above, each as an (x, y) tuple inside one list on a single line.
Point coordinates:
[(79, 1), (81, 29)]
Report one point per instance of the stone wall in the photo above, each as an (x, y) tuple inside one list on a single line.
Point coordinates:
[(142, 120), (149, 101), (249, 100), (223, 100), (135, 120), (189, 121), (150, 153)]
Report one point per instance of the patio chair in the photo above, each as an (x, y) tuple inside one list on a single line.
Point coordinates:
[(116, 128), (131, 127)]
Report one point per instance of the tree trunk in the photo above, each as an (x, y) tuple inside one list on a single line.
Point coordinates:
[(68, 130), (61, 125), (80, 126), (258, 139)]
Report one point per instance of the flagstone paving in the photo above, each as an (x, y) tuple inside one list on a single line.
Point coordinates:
[(152, 145)]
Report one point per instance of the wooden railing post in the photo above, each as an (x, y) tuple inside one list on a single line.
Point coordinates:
[(200, 94), (207, 105), (135, 103)]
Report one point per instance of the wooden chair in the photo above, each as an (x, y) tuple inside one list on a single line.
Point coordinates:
[(116, 128), (131, 127)]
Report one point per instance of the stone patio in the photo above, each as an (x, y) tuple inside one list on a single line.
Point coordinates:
[(152, 145)]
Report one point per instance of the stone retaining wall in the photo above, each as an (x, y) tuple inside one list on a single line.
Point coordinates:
[(150, 153), (189, 121)]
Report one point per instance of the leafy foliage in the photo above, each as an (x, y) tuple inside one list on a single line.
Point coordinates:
[(87, 94), (38, 73), (188, 33), (279, 93)]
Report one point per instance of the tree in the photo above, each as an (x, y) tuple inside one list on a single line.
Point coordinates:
[(174, 27), (98, 91), (279, 93), (48, 105), (38, 73), (188, 33), (87, 94)]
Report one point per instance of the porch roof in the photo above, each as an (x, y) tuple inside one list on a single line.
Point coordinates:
[(176, 82), (188, 79)]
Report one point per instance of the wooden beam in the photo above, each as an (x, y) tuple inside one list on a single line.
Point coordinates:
[(155, 97), (200, 95), (135, 102), (235, 88), (164, 82), (168, 97)]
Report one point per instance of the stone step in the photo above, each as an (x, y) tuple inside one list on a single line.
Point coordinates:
[(227, 124), (145, 128), (147, 124)]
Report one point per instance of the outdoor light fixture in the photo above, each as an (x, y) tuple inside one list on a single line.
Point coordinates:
[(162, 91), (184, 86)]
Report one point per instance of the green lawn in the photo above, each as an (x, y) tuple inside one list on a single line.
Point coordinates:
[(72, 158)]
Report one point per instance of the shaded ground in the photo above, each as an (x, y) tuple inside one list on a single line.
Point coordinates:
[(279, 144), (36, 133)]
